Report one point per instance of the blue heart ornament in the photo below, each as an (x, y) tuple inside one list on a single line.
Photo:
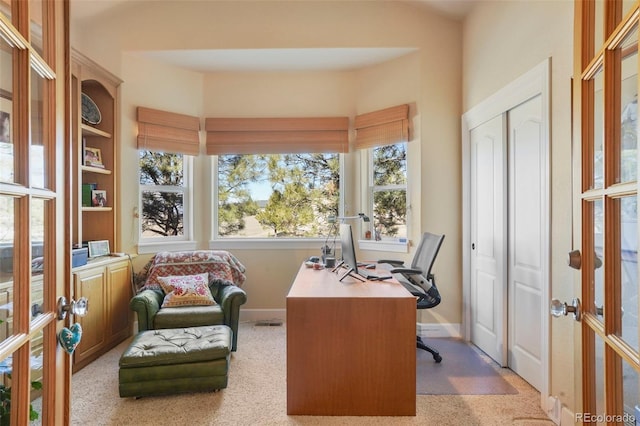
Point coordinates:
[(69, 338)]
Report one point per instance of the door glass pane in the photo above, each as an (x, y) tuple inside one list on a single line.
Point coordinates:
[(7, 164), (629, 108), (37, 256), (630, 394), (37, 357), (36, 14), (598, 130), (7, 226), (599, 376), (598, 259), (629, 269), (5, 8), (599, 22), (37, 163)]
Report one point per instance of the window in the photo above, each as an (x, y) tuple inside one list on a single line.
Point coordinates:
[(388, 190), (164, 196), (276, 195)]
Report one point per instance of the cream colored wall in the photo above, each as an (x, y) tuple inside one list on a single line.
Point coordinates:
[(434, 77), (503, 40)]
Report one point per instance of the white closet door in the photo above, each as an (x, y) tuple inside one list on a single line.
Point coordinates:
[(488, 238), (526, 216)]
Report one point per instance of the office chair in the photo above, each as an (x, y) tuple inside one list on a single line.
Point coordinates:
[(419, 280)]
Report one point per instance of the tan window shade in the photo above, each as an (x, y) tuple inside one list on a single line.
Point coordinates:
[(168, 132), (276, 135), (383, 127)]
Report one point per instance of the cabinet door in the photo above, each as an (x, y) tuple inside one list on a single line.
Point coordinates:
[(118, 283), (91, 284)]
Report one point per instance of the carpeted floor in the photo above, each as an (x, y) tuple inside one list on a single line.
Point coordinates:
[(256, 395)]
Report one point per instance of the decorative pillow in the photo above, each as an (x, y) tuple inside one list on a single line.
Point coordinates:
[(186, 290)]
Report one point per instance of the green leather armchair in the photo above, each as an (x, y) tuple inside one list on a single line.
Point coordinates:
[(224, 269)]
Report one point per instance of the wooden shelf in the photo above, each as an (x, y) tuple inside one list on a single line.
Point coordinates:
[(93, 169), (97, 209), (92, 131)]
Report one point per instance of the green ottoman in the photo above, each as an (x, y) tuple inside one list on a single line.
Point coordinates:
[(168, 361)]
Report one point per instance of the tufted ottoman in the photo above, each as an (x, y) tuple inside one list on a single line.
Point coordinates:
[(168, 361)]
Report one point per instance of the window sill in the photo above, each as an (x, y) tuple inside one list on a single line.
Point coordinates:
[(266, 243), (166, 245), (390, 246)]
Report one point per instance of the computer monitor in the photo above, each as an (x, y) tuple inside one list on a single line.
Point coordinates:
[(349, 258), (348, 252)]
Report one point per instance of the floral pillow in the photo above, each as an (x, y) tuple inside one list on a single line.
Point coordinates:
[(186, 290)]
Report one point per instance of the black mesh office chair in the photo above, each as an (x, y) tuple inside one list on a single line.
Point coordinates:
[(419, 280)]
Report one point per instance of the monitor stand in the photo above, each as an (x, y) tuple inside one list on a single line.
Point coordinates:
[(338, 266), (351, 273)]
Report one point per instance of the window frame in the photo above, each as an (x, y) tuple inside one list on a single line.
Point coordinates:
[(371, 188), (182, 242)]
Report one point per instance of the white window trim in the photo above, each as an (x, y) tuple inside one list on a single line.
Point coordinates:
[(392, 244), (183, 242)]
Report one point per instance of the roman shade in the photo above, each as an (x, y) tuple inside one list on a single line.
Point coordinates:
[(168, 132), (383, 127), (277, 135)]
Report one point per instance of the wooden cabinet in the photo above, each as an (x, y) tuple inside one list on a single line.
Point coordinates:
[(95, 152), (106, 283)]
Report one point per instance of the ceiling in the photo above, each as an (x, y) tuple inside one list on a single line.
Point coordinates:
[(320, 59)]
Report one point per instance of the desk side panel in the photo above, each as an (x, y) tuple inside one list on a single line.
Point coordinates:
[(351, 356)]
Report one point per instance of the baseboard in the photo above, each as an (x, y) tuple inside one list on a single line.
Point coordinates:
[(438, 330), (254, 315), (422, 329), (568, 417)]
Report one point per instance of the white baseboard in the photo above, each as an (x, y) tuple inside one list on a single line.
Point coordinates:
[(568, 417), (252, 315), (438, 330), (423, 330)]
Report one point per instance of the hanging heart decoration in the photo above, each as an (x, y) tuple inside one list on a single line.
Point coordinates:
[(69, 338)]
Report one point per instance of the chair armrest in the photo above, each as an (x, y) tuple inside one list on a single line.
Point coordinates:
[(230, 298), (409, 271), (392, 262), (146, 304)]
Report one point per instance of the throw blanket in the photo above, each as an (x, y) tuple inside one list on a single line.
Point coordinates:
[(223, 267)]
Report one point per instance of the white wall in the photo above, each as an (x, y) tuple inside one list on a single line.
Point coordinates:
[(433, 85), (503, 40)]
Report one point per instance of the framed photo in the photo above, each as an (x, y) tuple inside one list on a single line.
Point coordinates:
[(98, 248), (93, 157), (98, 198)]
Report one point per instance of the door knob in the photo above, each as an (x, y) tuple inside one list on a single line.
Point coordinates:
[(79, 308), (559, 308), (575, 259)]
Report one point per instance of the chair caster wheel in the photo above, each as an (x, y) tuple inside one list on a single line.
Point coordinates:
[(437, 358)]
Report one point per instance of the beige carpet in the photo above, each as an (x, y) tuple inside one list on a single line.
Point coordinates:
[(256, 395)]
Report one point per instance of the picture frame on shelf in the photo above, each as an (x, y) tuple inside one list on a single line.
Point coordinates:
[(93, 157), (98, 198)]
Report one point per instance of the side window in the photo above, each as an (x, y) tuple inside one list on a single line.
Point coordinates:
[(276, 195), (164, 196), (388, 190)]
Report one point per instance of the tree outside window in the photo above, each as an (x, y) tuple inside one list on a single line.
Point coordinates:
[(277, 195), (389, 190), (162, 191)]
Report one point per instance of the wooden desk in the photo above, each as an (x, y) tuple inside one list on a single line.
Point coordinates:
[(351, 347)]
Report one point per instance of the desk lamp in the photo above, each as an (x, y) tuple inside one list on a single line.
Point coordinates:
[(328, 252)]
